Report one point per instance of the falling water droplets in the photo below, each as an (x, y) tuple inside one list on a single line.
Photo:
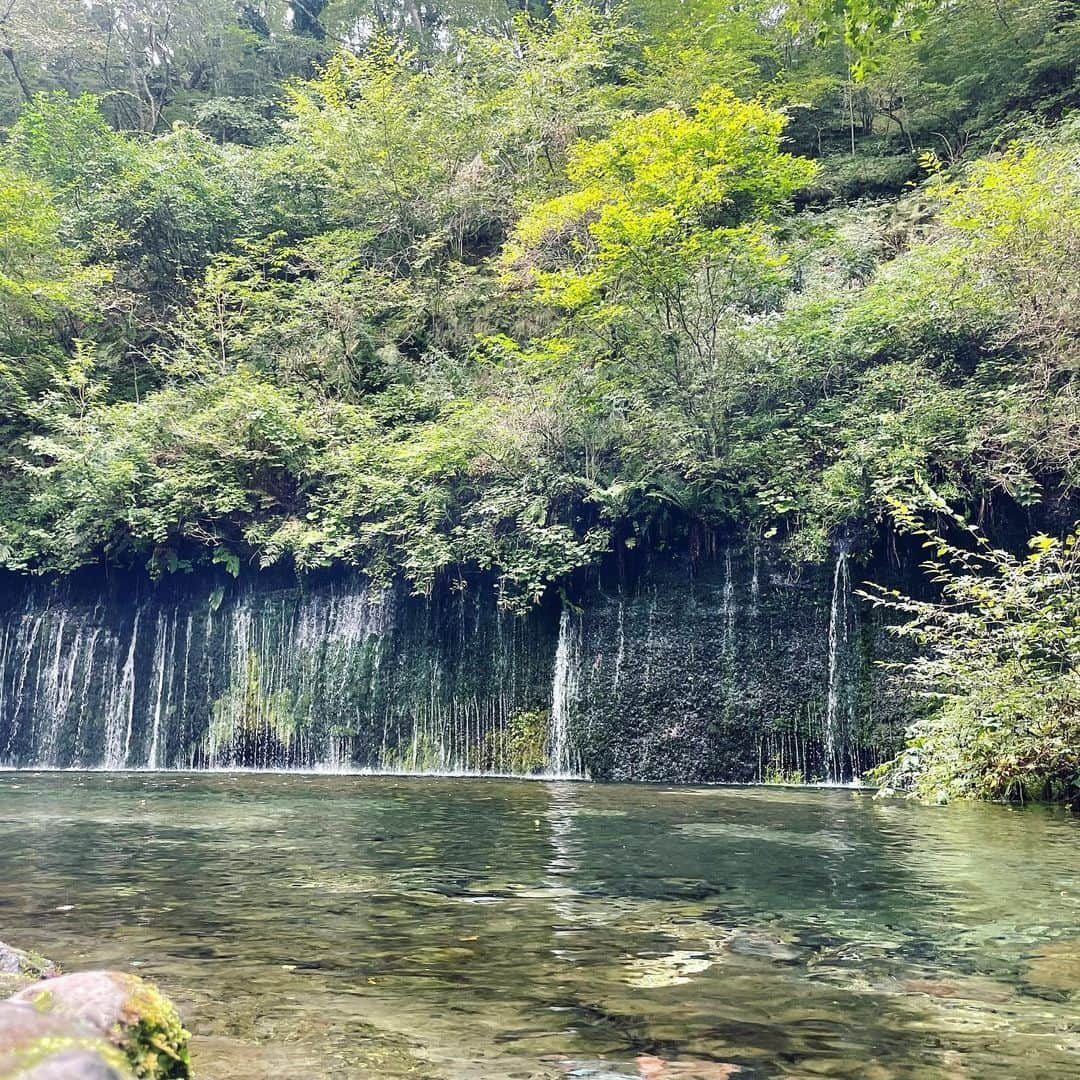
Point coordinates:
[(562, 760)]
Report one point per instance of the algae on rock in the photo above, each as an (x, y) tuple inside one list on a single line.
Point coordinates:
[(130, 1012)]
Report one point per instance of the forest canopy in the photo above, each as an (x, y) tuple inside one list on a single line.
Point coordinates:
[(503, 287)]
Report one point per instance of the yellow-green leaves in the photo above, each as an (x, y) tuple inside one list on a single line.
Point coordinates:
[(656, 201), (1011, 243), (37, 271)]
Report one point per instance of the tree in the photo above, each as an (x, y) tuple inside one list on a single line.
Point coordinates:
[(661, 251), (688, 47), (150, 61), (666, 203), (47, 294)]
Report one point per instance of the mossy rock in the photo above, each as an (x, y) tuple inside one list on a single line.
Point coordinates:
[(20, 968), (21, 962), (40, 1046), (130, 1012)]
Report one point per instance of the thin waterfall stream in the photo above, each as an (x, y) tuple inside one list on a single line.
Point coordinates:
[(839, 701), (562, 762)]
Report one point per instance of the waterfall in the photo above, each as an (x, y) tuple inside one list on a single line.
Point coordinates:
[(163, 673), (839, 702), (561, 759), (755, 584), (620, 648), (338, 675), (728, 605), (120, 717), (292, 667), (678, 675), (55, 685)]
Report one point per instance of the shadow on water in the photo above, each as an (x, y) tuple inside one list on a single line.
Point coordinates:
[(352, 926)]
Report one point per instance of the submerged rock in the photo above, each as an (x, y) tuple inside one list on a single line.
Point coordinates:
[(591, 1070), (1054, 966), (960, 988), (128, 1011), (767, 948), (651, 1067), (39, 1046), (645, 1067)]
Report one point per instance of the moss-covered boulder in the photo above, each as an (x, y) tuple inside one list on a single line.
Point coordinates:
[(130, 1012), (19, 968), (40, 1046)]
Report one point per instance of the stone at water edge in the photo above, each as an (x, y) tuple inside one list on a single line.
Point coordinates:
[(19, 968), (20, 962), (37, 1046), (130, 1012)]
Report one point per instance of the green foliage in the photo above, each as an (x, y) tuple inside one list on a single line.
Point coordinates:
[(39, 274), (691, 46), (664, 198), (521, 746), (66, 142), (314, 314), (999, 657), (865, 26), (152, 62), (165, 213), (969, 74), (1011, 242), (47, 299), (507, 287), (196, 465), (778, 775)]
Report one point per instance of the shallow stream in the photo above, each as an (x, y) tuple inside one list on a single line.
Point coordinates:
[(347, 926)]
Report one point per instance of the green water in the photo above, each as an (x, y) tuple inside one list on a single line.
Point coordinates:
[(320, 926)]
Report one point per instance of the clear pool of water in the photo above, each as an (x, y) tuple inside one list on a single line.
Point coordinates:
[(322, 926)]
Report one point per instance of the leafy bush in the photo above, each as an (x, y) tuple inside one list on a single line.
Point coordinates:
[(999, 660)]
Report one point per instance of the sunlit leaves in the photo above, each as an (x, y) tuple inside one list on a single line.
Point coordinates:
[(657, 200), (38, 271)]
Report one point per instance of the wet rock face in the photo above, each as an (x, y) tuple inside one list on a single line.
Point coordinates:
[(264, 671), (130, 1013), (736, 668), (39, 1046), (732, 667)]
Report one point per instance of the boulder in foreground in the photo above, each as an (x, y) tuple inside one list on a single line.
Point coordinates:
[(39, 1046), (132, 1014)]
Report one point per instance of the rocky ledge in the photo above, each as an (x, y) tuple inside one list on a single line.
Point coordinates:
[(91, 1025)]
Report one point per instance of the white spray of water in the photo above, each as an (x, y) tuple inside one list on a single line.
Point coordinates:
[(728, 606), (120, 717), (563, 694), (839, 646)]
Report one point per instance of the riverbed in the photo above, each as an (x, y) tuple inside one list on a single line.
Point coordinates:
[(353, 926)]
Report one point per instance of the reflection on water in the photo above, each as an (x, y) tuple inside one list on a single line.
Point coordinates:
[(357, 926)]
